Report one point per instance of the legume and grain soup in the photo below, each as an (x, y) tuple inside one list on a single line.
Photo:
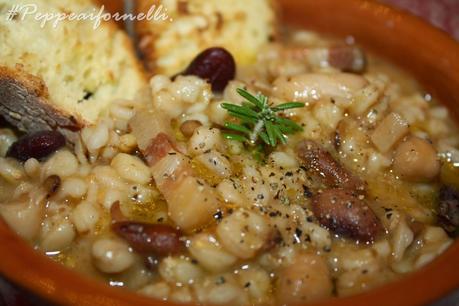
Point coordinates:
[(318, 171)]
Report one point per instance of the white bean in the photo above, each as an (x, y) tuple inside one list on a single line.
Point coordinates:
[(243, 233), (313, 86), (112, 255), (307, 279)]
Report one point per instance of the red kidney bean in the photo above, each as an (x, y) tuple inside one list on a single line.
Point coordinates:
[(157, 239), (216, 65), (345, 214), (324, 165), (448, 210), (38, 145)]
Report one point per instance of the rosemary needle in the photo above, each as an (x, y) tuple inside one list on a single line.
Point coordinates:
[(259, 120)]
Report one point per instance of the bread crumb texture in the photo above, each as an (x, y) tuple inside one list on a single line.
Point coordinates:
[(83, 68), (240, 26)]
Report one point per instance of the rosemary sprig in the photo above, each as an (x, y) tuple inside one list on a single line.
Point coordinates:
[(259, 120)]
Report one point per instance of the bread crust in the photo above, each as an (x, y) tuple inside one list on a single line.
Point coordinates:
[(24, 103), (32, 97), (129, 45), (146, 38), (148, 33)]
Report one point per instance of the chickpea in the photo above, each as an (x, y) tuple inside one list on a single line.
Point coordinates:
[(112, 255), (416, 160), (306, 279), (243, 233)]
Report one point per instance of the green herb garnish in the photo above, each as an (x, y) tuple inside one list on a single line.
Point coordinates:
[(259, 120)]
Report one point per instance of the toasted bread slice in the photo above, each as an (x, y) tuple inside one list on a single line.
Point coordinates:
[(240, 26), (71, 71), (24, 102)]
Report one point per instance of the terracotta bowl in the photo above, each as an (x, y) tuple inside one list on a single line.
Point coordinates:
[(428, 53)]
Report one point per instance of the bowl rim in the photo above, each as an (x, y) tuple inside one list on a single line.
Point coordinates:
[(53, 282)]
